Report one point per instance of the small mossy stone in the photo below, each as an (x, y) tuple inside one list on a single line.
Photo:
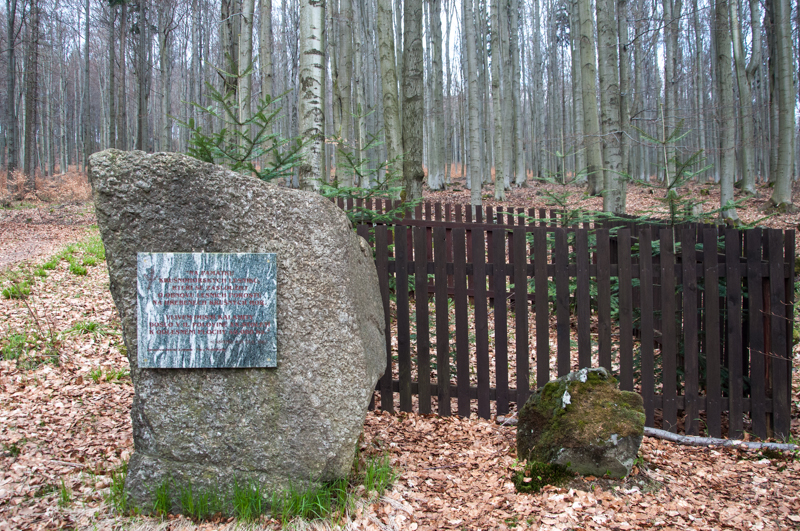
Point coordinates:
[(584, 421)]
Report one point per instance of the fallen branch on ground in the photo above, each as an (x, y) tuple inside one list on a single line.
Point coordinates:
[(690, 440)]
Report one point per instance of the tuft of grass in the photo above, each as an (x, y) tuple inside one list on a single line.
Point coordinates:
[(379, 474), (17, 346), (248, 501), (40, 272), (536, 475), (76, 268), (116, 375), (17, 290), (96, 374), (64, 495), (116, 492), (93, 247), (86, 327), (198, 505), (52, 263), (162, 503)]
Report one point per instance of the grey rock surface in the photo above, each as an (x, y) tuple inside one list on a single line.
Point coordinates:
[(582, 420), (297, 424)]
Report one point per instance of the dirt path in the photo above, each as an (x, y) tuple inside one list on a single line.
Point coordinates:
[(39, 232)]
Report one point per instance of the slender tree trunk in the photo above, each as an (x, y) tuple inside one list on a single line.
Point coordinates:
[(143, 75), (345, 76), (12, 132), (727, 123), (245, 63), (591, 127), (509, 131), (436, 171), (497, 105), (614, 183), (577, 94), (265, 45), (122, 117), (311, 100), (745, 104), (112, 79), (623, 23), (165, 16), (699, 82), (391, 112), (32, 98), (413, 104), (87, 87), (230, 24), (781, 197), (475, 178), (520, 174)]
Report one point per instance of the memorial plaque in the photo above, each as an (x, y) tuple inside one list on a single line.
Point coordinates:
[(206, 310)]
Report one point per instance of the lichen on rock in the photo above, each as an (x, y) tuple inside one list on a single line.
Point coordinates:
[(582, 420)]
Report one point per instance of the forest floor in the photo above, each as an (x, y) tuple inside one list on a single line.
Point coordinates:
[(65, 424)]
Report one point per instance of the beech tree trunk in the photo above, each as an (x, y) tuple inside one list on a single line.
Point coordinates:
[(413, 104), (727, 122), (311, 98), (591, 125), (475, 178), (391, 112), (781, 197), (497, 105)]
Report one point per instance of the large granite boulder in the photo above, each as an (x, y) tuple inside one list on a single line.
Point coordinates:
[(583, 421), (293, 425)]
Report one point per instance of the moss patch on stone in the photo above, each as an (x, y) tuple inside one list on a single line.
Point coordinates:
[(582, 409)]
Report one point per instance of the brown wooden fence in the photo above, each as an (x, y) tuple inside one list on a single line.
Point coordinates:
[(722, 361)]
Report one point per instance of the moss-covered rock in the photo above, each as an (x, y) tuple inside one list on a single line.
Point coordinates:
[(582, 420)]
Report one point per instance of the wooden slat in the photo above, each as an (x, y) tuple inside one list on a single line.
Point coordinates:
[(755, 321), (500, 320), (462, 321), (520, 254), (541, 301), (481, 323), (442, 322), (712, 334), (733, 286), (625, 311), (382, 267), (780, 361), (691, 364), (646, 305), (669, 333), (437, 211), (562, 303), (604, 298), (788, 290), (583, 299), (423, 323), (403, 332)]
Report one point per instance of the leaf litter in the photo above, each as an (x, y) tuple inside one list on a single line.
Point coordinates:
[(65, 429)]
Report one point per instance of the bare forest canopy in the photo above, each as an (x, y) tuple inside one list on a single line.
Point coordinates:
[(509, 91)]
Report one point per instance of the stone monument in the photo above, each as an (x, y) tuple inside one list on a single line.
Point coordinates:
[(294, 417)]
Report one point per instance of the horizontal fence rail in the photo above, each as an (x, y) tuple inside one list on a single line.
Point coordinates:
[(485, 309)]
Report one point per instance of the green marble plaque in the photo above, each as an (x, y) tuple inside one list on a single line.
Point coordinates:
[(206, 310)]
